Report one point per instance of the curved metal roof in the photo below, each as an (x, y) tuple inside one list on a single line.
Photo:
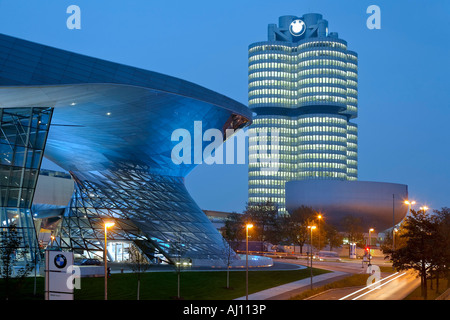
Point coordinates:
[(106, 113)]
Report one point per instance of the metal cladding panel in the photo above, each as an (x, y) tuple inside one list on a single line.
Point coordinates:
[(26, 63), (106, 112), (378, 204), (95, 126)]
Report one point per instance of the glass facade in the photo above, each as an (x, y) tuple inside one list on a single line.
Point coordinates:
[(111, 128), (22, 141), (150, 211), (304, 92)]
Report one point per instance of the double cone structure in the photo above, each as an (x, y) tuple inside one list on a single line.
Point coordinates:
[(110, 126)]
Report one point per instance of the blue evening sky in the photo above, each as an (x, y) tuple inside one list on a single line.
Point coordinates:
[(404, 111)]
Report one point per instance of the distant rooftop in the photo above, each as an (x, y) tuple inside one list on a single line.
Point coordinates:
[(56, 174)]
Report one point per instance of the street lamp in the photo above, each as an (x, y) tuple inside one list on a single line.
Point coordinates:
[(247, 226), (410, 204), (105, 259), (370, 242), (424, 208), (310, 249), (319, 217)]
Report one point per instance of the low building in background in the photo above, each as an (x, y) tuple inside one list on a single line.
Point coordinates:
[(379, 205), (217, 218)]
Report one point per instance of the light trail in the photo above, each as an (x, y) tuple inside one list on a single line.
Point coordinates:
[(379, 286), (373, 284)]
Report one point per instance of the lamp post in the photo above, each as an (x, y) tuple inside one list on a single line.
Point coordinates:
[(393, 222), (393, 243), (247, 226), (105, 258), (370, 242), (310, 249), (393, 238), (319, 217), (424, 209), (410, 204)]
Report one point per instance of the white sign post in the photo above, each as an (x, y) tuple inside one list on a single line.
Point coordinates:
[(352, 250), (58, 275)]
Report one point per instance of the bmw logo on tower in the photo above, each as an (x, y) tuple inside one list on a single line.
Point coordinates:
[(297, 27)]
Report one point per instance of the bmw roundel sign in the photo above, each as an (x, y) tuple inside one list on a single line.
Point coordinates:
[(297, 27), (60, 261)]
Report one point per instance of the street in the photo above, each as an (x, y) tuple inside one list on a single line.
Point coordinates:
[(391, 286), (394, 287)]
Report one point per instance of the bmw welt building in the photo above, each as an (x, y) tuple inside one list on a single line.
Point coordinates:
[(108, 125)]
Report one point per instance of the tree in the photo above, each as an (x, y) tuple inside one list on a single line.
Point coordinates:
[(11, 252), (420, 231), (296, 225), (333, 236), (228, 255), (320, 234), (139, 264), (178, 249), (233, 229), (264, 219), (441, 250), (353, 229), (287, 230)]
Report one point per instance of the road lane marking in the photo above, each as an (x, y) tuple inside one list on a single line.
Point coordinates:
[(379, 286), (353, 293)]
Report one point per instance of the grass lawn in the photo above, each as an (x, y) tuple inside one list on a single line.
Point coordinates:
[(23, 290), (194, 285), (431, 293), (163, 285)]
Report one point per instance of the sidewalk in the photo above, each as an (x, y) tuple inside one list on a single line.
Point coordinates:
[(284, 292)]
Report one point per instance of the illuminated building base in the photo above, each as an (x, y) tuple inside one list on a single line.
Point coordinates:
[(154, 212)]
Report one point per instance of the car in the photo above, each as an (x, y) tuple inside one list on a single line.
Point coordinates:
[(327, 256), (90, 262)]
